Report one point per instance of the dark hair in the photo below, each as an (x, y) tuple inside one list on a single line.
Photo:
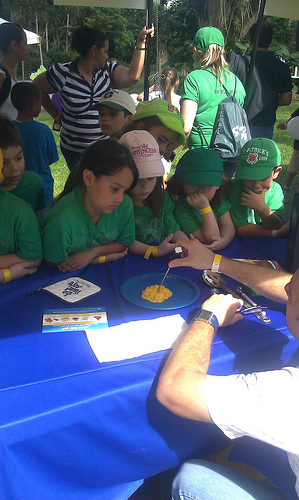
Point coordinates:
[(266, 34), (23, 94), (148, 122), (104, 157), (155, 199), (10, 32), (175, 188), (167, 83), (84, 38), (9, 133)]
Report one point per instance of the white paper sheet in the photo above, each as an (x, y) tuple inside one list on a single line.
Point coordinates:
[(135, 338)]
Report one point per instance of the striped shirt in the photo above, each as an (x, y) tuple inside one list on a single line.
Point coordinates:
[(80, 123)]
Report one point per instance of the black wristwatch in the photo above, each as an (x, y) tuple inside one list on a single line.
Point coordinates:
[(207, 317)]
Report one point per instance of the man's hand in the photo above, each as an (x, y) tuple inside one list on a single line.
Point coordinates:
[(225, 308), (253, 200), (194, 254)]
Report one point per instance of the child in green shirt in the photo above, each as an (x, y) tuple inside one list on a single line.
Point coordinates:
[(92, 221), (25, 185), (156, 230), (200, 191), (20, 241), (256, 200)]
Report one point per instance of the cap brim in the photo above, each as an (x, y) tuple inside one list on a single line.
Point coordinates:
[(252, 173), (144, 171), (192, 178), (172, 123)]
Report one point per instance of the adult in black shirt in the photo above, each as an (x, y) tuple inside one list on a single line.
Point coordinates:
[(271, 84)]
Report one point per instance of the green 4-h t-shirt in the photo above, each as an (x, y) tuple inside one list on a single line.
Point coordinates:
[(152, 230), (243, 215), (189, 218), (68, 229), (202, 87)]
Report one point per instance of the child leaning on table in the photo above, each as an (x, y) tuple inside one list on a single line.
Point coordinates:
[(257, 201), (116, 107), (156, 229), (39, 148), (92, 222), (25, 185), (20, 241), (200, 191)]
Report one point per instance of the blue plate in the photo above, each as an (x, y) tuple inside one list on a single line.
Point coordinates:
[(184, 291)]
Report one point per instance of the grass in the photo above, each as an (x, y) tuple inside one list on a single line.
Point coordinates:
[(282, 138)]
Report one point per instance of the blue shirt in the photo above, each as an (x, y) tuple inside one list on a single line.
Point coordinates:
[(39, 151)]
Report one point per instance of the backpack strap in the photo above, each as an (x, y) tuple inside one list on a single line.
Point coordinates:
[(201, 132), (5, 89)]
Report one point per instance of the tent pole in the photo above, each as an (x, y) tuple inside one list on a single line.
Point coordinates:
[(148, 50), (262, 4)]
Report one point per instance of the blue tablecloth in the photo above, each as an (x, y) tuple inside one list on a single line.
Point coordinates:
[(72, 428)]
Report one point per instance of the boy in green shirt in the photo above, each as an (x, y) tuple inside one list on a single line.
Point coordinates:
[(257, 201), (20, 240), (25, 185)]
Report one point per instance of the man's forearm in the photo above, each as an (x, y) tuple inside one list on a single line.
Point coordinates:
[(267, 282), (181, 383)]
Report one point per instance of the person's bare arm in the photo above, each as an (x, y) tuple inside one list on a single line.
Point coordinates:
[(46, 89), (126, 77), (188, 112), (285, 99), (267, 282), (8, 260), (181, 386)]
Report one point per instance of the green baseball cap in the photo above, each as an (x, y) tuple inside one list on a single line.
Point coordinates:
[(205, 36), (258, 157), (200, 166), (167, 113)]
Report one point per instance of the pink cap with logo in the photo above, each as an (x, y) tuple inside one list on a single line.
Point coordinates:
[(145, 151)]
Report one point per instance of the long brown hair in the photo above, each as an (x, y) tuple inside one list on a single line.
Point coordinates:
[(168, 83)]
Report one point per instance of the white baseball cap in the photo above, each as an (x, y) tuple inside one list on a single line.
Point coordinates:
[(145, 151), (117, 99)]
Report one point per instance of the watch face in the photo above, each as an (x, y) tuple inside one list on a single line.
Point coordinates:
[(205, 315)]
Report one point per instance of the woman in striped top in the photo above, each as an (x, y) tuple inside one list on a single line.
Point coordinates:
[(81, 83)]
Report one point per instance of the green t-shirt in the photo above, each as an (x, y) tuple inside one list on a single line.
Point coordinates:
[(31, 190), (152, 230), (189, 218), (68, 229), (244, 215), (19, 231), (202, 87)]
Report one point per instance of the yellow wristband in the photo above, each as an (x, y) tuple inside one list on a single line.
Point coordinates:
[(204, 211), (57, 117), (153, 250), (102, 259), (274, 233), (7, 275), (216, 263)]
